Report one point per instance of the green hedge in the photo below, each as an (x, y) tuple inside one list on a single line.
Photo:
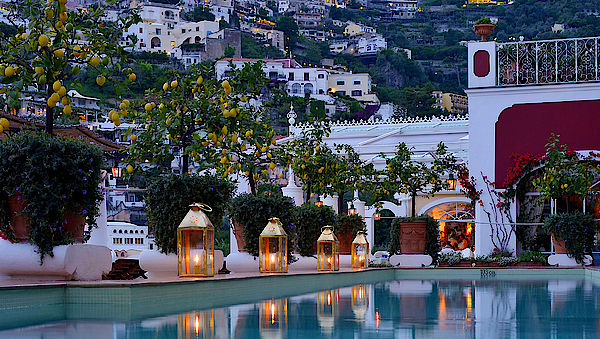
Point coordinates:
[(168, 199), (309, 220)]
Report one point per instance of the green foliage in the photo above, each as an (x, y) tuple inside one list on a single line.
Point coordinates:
[(407, 175), (54, 177), (432, 237), (532, 256), (200, 13), (229, 52), (254, 212), (450, 258), (483, 21), (251, 48), (578, 230), (289, 27), (309, 221), (349, 224), (563, 174), (168, 200), (416, 100)]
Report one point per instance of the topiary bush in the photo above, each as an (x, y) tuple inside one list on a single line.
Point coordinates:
[(254, 212), (578, 230), (484, 21), (432, 244), (309, 220), (168, 199), (54, 176)]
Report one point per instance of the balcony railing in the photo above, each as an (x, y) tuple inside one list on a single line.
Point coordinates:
[(548, 61)]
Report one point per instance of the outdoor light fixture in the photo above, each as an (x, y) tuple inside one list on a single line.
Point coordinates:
[(451, 182), (377, 215), (352, 209), (328, 256), (360, 251), (319, 202), (195, 243), (272, 250), (116, 172)]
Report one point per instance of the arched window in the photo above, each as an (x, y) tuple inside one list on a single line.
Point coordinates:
[(296, 88), (197, 39), (120, 231), (308, 88), (455, 220), (155, 42)]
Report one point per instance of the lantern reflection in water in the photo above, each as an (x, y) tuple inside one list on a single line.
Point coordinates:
[(273, 318), (328, 257), (327, 309), (360, 300), (200, 324)]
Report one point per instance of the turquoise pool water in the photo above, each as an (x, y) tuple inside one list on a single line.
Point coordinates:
[(413, 308)]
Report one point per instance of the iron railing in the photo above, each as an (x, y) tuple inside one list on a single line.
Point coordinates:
[(548, 61)]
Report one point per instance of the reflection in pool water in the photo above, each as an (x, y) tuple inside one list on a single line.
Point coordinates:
[(394, 309)]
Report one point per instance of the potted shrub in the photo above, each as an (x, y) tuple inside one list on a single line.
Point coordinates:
[(253, 212), (565, 175), (408, 176), (400, 243), (309, 220), (484, 27), (49, 189), (576, 230), (345, 229), (169, 197)]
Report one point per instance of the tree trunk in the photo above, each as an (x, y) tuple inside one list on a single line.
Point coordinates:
[(185, 164), (252, 183), (413, 198), (340, 203), (49, 113)]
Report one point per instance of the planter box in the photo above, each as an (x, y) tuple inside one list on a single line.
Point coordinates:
[(486, 264), (530, 264), (413, 236), (460, 264)]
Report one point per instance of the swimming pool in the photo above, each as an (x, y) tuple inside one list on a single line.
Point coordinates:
[(469, 303)]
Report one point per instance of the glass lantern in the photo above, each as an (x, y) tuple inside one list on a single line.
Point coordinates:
[(195, 243), (360, 251), (272, 250), (328, 256)]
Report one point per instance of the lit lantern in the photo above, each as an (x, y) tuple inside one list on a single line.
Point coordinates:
[(272, 250), (328, 257), (116, 172), (377, 215), (352, 210), (200, 324), (273, 318), (451, 182), (195, 243), (360, 251), (319, 202)]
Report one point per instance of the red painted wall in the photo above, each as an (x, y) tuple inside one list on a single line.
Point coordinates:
[(525, 128)]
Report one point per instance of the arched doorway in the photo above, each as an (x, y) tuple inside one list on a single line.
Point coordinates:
[(456, 221), (155, 42)]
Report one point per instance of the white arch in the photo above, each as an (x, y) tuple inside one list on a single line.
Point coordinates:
[(443, 201), (398, 210)]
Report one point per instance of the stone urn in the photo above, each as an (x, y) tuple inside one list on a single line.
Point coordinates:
[(413, 236), (484, 30), (559, 245), (73, 223)]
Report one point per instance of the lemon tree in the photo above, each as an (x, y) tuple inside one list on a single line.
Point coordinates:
[(212, 123), (52, 45), (410, 176)]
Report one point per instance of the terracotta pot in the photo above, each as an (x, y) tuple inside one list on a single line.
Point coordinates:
[(484, 30), (559, 245), (345, 240), (239, 237), (413, 236), (74, 223)]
